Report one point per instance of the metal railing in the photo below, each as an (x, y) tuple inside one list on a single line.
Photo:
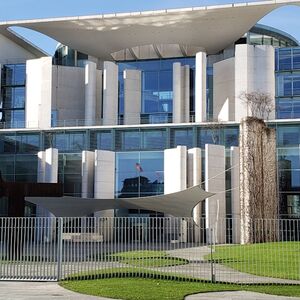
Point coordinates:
[(52, 249)]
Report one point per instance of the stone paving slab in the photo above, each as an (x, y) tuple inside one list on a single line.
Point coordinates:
[(39, 291), (237, 296)]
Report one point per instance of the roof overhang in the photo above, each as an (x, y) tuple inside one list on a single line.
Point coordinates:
[(178, 204), (212, 28)]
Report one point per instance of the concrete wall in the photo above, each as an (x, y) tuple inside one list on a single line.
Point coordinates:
[(38, 93), (254, 71), (175, 169), (110, 93), (132, 97), (215, 206), (235, 194), (87, 174), (181, 93), (224, 90), (68, 93), (200, 87), (104, 178), (12, 52)]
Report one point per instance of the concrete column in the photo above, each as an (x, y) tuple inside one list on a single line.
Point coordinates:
[(51, 165), (110, 93), (132, 97), (235, 194), (186, 70), (38, 93), (99, 80), (104, 188), (90, 93), (87, 174), (105, 177), (254, 72), (181, 93), (175, 174), (194, 178), (175, 169), (200, 87), (215, 206), (47, 173), (41, 166)]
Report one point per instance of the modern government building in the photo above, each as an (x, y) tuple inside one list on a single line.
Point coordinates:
[(148, 103)]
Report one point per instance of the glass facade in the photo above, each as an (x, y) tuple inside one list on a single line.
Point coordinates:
[(12, 102), (287, 83), (157, 87)]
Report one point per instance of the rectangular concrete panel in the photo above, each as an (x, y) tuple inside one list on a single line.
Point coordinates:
[(254, 72), (175, 169), (215, 206), (200, 87), (87, 174), (132, 97), (194, 172), (235, 194), (110, 93), (68, 94), (224, 90), (104, 177), (38, 93), (90, 93), (51, 165)]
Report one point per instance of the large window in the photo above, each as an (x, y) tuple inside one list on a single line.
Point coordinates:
[(12, 103), (139, 174), (157, 87)]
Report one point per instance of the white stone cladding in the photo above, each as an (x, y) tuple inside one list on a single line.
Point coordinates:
[(87, 174), (38, 93), (132, 96), (215, 206), (110, 93)]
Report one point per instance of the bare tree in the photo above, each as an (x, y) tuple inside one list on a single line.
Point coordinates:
[(259, 104)]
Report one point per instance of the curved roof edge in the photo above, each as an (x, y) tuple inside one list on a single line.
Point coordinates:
[(210, 27)]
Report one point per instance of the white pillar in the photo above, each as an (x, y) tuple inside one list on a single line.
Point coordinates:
[(215, 206), (110, 93), (99, 80), (254, 72), (175, 166), (175, 174), (90, 93), (51, 167), (235, 194), (186, 70), (87, 174), (104, 187), (194, 178), (200, 87), (181, 93), (38, 103), (47, 173), (41, 166), (132, 97)]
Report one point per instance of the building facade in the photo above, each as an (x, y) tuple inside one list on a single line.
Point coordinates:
[(131, 112)]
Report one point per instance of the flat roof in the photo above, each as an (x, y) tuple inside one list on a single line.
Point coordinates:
[(212, 28)]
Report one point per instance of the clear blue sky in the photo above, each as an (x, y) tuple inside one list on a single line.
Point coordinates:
[(286, 18)]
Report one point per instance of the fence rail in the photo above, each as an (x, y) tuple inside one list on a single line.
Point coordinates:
[(52, 249)]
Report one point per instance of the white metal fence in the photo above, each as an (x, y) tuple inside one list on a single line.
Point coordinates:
[(50, 249)]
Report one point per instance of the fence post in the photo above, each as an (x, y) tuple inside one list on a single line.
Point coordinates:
[(211, 233), (59, 248)]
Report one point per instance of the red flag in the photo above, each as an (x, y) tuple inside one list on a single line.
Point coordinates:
[(138, 167)]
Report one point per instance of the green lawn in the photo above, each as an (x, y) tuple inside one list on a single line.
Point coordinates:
[(147, 259), (152, 289), (279, 260)]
